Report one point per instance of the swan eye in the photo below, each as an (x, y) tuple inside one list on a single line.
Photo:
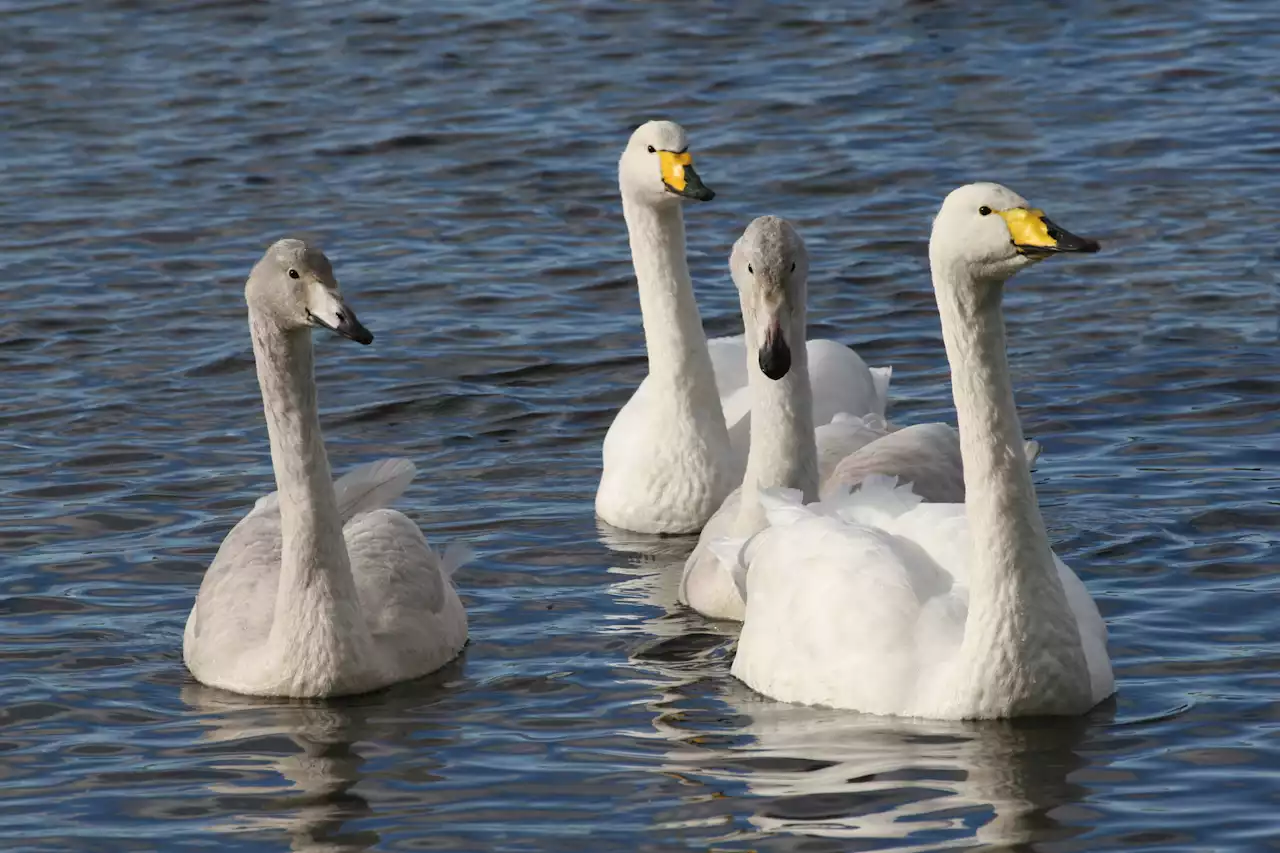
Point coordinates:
[(984, 210), (651, 149), (750, 270), (293, 274), (793, 266)]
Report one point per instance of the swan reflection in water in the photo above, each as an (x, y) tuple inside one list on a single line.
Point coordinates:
[(913, 784), (764, 768), (294, 765)]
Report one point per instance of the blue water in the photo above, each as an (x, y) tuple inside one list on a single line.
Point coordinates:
[(457, 161)]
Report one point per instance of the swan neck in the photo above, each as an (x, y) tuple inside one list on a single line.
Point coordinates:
[(677, 346), (783, 451), (1014, 587), (315, 567)]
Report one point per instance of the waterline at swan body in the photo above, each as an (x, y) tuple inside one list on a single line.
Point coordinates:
[(875, 602), (322, 589)]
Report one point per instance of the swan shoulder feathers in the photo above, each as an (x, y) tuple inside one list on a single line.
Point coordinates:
[(879, 619)]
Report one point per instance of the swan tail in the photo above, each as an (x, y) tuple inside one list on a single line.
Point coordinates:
[(729, 552), (456, 555), (1032, 448), (372, 486), (880, 377)]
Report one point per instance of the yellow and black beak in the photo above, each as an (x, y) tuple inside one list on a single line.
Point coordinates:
[(679, 177), (1035, 235)]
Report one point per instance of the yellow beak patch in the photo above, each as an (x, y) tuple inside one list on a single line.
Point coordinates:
[(673, 168), (1028, 227)]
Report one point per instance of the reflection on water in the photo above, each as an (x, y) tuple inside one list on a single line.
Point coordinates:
[(309, 795), (907, 784)]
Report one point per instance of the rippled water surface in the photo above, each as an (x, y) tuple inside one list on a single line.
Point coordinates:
[(457, 160)]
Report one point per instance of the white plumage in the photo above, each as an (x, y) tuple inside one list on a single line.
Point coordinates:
[(670, 458), (877, 602), (322, 589)]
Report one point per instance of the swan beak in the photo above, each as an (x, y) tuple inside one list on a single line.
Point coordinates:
[(679, 177), (775, 355), (341, 319), (1035, 235)]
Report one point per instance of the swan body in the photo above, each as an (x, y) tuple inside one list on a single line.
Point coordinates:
[(322, 589), (874, 601), (671, 456)]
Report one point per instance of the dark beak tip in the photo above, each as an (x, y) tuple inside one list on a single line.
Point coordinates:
[(775, 359)]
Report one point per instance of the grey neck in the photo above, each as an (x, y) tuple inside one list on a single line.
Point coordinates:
[(783, 451)]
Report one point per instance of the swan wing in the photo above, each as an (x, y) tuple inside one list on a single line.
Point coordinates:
[(843, 436), (842, 382), (372, 486), (363, 488), (707, 584), (235, 604), (925, 455), (405, 590), (844, 614)]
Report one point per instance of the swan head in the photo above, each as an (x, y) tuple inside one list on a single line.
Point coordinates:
[(994, 232), (656, 166), (294, 287), (770, 267)]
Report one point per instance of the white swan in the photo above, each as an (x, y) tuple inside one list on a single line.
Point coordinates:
[(670, 457), (879, 603), (320, 590), (770, 268)]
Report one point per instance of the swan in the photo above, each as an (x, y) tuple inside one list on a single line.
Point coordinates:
[(679, 444), (321, 590), (769, 265), (880, 603)]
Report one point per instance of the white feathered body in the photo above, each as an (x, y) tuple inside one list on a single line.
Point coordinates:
[(405, 597), (861, 602)]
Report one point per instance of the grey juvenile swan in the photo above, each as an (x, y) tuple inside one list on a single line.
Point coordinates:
[(321, 590)]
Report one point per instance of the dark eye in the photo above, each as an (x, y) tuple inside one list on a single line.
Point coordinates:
[(793, 266), (984, 210), (651, 151), (750, 270), (293, 274)]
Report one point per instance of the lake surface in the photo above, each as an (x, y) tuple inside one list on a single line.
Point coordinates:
[(458, 164)]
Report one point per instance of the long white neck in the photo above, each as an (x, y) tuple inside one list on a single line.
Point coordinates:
[(317, 625), (679, 362), (783, 451), (1018, 611)]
